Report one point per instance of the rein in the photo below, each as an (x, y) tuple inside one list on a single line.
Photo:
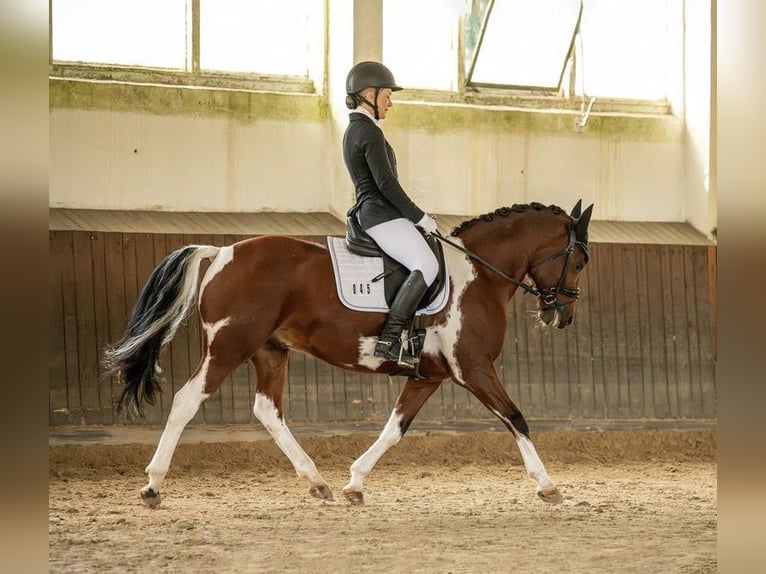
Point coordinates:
[(548, 295)]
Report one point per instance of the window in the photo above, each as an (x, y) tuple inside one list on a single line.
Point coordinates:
[(604, 48), (248, 36), (234, 37), (522, 43), (124, 32)]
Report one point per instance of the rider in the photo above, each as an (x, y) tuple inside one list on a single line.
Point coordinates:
[(382, 207)]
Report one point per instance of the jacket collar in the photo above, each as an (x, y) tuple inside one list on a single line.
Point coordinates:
[(359, 111)]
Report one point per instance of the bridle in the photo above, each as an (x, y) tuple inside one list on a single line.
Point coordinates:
[(548, 295)]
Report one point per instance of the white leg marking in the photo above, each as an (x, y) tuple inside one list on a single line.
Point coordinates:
[(186, 403), (266, 412), (533, 464), (362, 466)]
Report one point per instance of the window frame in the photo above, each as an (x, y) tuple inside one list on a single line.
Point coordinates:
[(570, 55), (193, 76)]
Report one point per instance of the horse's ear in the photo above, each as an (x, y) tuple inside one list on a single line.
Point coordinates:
[(581, 225), (576, 209)]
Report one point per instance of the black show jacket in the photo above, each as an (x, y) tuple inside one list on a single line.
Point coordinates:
[(371, 163)]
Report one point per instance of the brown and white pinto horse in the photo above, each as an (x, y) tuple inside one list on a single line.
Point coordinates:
[(262, 297)]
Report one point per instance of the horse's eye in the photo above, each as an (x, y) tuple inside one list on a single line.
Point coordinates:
[(579, 266)]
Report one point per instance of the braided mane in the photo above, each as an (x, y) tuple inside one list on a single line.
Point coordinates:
[(504, 212)]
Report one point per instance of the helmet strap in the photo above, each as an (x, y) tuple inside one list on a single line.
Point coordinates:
[(373, 104)]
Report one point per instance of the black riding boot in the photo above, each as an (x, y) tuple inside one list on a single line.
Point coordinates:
[(405, 304)]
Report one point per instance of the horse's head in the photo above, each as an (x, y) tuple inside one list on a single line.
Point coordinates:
[(556, 275)]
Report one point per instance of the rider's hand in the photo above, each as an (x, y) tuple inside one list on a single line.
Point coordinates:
[(427, 224)]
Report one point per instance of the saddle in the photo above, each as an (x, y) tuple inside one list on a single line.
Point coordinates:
[(394, 273)]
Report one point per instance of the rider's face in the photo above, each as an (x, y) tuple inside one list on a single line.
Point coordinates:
[(384, 102)]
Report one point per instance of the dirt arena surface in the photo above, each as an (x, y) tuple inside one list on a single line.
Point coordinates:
[(634, 501)]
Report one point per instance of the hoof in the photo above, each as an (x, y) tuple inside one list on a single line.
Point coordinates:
[(355, 498), (151, 498), (551, 496), (321, 491)]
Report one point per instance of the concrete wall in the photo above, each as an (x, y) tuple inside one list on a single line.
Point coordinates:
[(159, 149)]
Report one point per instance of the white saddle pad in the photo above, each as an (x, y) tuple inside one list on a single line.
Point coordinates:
[(353, 278)]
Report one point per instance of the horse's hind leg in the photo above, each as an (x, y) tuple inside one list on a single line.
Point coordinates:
[(413, 396), (485, 385), (271, 363), (186, 402)]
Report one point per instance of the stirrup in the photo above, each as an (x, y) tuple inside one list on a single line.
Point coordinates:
[(408, 362), (383, 349)]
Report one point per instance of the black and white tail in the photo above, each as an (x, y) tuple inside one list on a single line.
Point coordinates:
[(164, 302)]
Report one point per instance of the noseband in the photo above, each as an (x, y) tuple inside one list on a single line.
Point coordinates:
[(549, 295)]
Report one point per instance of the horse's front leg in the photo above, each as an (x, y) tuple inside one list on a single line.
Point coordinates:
[(484, 383), (413, 396), (271, 370)]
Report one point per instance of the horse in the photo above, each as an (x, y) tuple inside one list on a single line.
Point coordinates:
[(265, 296)]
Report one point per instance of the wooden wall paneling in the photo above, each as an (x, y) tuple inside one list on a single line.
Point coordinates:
[(646, 298), (71, 339), (114, 269), (633, 373), (340, 393), (682, 333), (693, 405), (609, 319), (658, 351), (705, 277), (547, 374), (353, 399), (711, 259), (519, 321), (87, 344), (621, 300), (562, 340), (584, 404), (671, 355), (101, 308), (534, 354), (326, 408), (376, 396), (313, 396), (596, 331), (302, 399), (58, 400)]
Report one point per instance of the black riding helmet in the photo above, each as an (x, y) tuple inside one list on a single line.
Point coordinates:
[(368, 75)]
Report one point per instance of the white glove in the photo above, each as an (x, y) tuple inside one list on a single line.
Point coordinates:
[(427, 224)]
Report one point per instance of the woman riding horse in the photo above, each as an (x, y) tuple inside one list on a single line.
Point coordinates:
[(382, 208)]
